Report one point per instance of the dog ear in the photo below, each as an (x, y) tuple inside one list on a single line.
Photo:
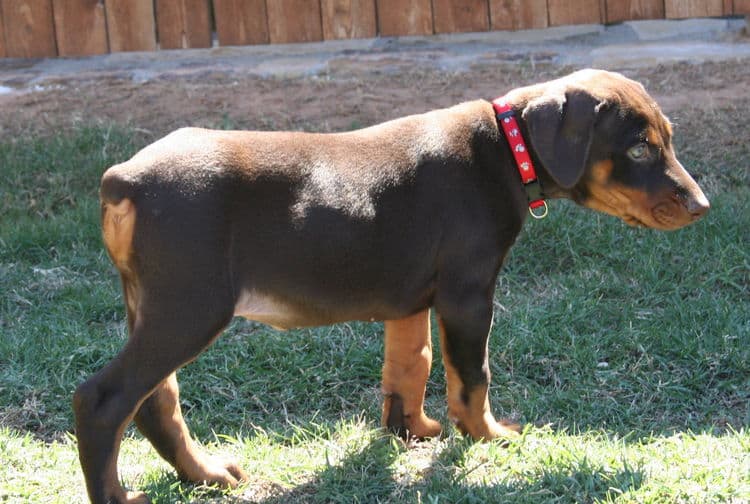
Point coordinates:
[(561, 127)]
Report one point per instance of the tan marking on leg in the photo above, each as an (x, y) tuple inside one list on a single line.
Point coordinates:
[(408, 358), (473, 415), (118, 225)]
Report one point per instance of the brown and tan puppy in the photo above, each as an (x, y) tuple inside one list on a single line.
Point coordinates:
[(384, 223)]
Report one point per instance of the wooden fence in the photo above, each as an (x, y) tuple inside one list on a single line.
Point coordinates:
[(48, 28)]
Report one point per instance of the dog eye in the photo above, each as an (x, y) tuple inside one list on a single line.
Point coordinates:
[(638, 152)]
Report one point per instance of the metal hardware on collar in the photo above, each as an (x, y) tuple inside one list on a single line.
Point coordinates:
[(507, 123), (541, 215)]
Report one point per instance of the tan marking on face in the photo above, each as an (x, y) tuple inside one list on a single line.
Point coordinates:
[(408, 359), (602, 196), (473, 417), (615, 199), (601, 172), (118, 226), (661, 209)]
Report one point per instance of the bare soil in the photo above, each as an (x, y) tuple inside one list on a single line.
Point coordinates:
[(349, 94)]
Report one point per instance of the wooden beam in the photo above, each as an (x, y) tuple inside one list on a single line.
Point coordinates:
[(181, 24), (627, 10), (3, 52), (294, 21), (29, 28), (564, 12), (404, 17), (451, 16), (676, 9), (347, 19), (80, 27), (518, 14), (741, 7), (241, 22), (130, 25)]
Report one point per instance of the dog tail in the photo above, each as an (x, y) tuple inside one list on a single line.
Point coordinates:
[(117, 194)]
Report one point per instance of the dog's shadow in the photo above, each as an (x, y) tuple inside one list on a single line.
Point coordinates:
[(445, 473), (371, 475)]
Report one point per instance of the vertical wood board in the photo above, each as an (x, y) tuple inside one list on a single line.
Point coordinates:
[(294, 21), (626, 10), (3, 53), (518, 14), (80, 27), (29, 28), (181, 24), (451, 16), (676, 9), (741, 7), (130, 25), (345, 19), (404, 17), (241, 22), (565, 12)]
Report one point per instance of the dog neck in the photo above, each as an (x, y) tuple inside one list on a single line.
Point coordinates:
[(517, 100)]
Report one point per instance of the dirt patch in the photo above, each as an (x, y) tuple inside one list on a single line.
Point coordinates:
[(348, 95)]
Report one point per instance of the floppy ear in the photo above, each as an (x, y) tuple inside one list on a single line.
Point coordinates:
[(561, 127)]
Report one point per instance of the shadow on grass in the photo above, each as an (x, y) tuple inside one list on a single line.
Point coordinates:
[(369, 475), (372, 474)]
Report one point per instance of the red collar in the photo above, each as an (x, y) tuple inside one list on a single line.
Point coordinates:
[(506, 118)]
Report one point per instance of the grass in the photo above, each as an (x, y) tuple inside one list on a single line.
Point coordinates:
[(625, 352)]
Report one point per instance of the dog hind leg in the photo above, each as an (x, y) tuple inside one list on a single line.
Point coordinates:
[(159, 343), (160, 420)]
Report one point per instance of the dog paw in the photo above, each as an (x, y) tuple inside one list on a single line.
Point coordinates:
[(488, 429), (136, 498), (416, 426), (212, 471)]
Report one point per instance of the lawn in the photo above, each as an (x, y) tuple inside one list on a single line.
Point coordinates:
[(625, 352)]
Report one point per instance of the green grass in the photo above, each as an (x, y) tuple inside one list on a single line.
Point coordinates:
[(626, 352)]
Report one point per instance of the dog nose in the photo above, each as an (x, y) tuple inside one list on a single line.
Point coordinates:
[(697, 205)]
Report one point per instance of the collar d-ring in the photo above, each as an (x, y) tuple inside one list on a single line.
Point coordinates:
[(539, 214)]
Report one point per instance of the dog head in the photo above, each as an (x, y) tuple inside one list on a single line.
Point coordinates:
[(606, 144)]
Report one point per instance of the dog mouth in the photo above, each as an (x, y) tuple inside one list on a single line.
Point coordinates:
[(632, 220)]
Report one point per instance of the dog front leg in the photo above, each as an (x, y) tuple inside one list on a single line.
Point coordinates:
[(464, 332)]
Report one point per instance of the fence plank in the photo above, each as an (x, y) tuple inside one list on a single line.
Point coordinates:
[(626, 10), (3, 53), (294, 21), (80, 28), (345, 19), (564, 12), (404, 17), (460, 16), (241, 22), (728, 7), (130, 25), (518, 14), (181, 24), (693, 8), (29, 28), (742, 6)]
